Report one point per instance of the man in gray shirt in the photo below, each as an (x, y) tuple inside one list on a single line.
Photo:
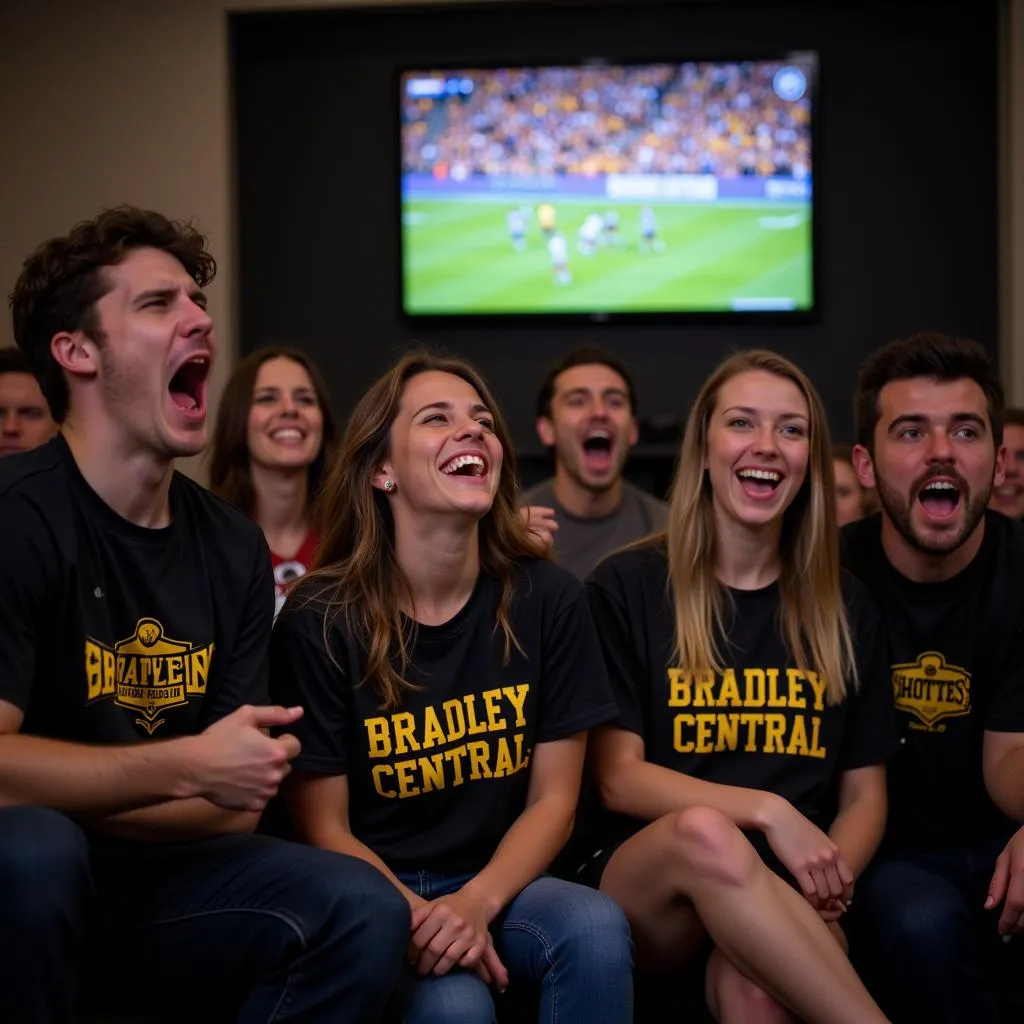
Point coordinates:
[(586, 412)]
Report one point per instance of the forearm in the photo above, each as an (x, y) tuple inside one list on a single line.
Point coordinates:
[(341, 841), (857, 831), (94, 780), (191, 818), (1005, 784), (649, 792), (526, 851)]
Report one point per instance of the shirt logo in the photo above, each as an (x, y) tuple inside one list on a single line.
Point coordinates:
[(148, 672), (930, 690)]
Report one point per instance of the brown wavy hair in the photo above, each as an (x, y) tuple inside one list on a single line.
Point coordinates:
[(61, 282), (357, 574), (230, 465), (813, 615)]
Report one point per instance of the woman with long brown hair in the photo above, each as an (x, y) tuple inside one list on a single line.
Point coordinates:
[(743, 782), (448, 674), (274, 434)]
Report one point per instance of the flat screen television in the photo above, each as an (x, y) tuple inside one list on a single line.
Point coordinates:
[(604, 190)]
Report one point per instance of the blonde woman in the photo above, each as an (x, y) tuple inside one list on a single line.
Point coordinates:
[(449, 674), (743, 781)]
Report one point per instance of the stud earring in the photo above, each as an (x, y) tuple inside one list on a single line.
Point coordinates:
[(390, 486)]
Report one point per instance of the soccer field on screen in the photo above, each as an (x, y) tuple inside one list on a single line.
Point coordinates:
[(459, 258)]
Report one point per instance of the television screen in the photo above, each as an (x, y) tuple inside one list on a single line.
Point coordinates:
[(602, 190)]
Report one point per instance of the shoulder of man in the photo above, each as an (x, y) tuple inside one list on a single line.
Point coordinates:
[(859, 541), (1008, 535), (542, 493), (220, 514), (32, 472), (654, 508)]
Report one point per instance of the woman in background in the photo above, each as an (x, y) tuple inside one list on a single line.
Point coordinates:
[(743, 780), (449, 674), (274, 434)]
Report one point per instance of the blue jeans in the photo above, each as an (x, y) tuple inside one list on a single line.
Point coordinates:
[(919, 934), (569, 941), (269, 930)]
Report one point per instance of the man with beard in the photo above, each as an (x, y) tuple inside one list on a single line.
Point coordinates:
[(1008, 498), (586, 412), (949, 878)]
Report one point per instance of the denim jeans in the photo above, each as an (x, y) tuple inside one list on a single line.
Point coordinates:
[(567, 940), (273, 930), (919, 933)]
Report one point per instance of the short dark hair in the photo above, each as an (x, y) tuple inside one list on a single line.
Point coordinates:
[(12, 360), (589, 356), (230, 467), (61, 282), (842, 453), (925, 354)]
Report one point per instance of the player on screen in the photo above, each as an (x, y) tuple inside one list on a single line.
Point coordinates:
[(610, 234), (649, 240), (590, 234), (546, 219), (558, 250), (516, 229)]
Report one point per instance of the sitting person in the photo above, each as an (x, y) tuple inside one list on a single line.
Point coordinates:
[(586, 413), (274, 433), (25, 420), (449, 677), (949, 878), (743, 781), (133, 680)]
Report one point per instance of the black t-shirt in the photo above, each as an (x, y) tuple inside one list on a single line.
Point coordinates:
[(436, 784), (957, 669), (760, 723), (114, 633)]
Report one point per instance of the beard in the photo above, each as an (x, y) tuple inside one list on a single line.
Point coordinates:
[(899, 508)]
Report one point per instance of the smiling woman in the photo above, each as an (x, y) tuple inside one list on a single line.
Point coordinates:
[(742, 782), (449, 674), (275, 430)]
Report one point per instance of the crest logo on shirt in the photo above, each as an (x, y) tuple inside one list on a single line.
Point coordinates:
[(931, 690), (148, 672)]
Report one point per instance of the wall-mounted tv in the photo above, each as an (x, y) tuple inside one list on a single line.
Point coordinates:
[(607, 190)]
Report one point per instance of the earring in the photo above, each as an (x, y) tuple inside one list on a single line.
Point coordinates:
[(390, 486)]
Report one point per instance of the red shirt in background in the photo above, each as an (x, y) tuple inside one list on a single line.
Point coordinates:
[(288, 569)]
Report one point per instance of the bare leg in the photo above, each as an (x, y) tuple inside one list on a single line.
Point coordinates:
[(698, 861), (733, 998)]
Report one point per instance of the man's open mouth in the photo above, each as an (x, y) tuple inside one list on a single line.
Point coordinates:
[(188, 385), (939, 498)]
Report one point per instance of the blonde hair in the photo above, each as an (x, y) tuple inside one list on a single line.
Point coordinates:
[(812, 616)]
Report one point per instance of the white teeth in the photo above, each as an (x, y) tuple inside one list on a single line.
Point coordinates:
[(940, 485), (287, 434), (606, 434), (760, 474), (463, 460)]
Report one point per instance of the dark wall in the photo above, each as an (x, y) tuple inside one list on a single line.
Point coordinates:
[(905, 179)]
